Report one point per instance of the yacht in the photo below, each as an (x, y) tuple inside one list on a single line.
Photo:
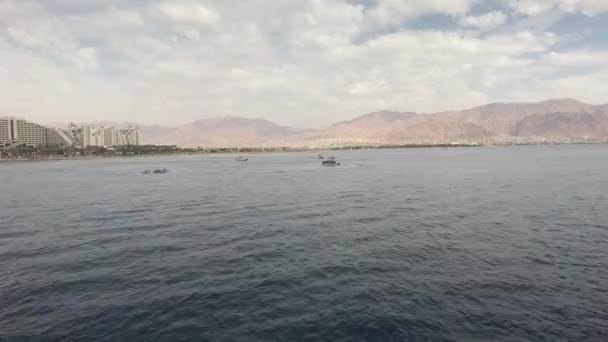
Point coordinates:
[(148, 171), (330, 162)]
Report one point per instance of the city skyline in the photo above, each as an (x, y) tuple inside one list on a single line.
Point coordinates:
[(310, 64), (558, 120), (550, 121), (18, 132)]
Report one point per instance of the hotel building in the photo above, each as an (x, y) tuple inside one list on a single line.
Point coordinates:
[(16, 132)]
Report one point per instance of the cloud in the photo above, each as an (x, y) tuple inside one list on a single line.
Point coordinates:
[(390, 12), (298, 62), (488, 20), (533, 7), (117, 19), (587, 7), (536, 7), (26, 25), (188, 12)]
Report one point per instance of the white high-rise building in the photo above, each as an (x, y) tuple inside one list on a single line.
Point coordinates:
[(130, 136), (85, 136), (108, 136), (18, 132)]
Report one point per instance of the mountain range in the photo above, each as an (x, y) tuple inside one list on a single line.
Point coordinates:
[(552, 120)]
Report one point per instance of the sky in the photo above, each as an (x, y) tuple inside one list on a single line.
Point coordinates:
[(303, 63)]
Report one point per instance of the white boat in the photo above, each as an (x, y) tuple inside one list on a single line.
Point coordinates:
[(330, 162), (149, 171)]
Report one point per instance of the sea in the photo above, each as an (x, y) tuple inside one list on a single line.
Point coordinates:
[(429, 244)]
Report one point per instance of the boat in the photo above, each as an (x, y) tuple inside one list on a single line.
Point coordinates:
[(241, 159), (320, 156), (330, 162), (149, 171), (331, 158)]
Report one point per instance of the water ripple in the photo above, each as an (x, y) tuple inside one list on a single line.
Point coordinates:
[(403, 245)]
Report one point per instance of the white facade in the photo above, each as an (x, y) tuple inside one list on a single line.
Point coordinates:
[(15, 132), (130, 136), (108, 136)]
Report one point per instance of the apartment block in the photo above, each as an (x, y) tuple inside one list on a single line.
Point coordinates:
[(108, 136), (18, 132)]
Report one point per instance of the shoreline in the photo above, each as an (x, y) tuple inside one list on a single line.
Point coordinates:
[(253, 150)]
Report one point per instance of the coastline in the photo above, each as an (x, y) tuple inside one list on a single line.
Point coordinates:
[(256, 150)]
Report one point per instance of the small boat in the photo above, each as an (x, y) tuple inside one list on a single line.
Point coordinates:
[(149, 171), (320, 156), (330, 162), (241, 159), (331, 158)]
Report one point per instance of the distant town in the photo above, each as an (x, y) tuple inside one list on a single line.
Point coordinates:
[(16, 133), (558, 121), (19, 137), (22, 139)]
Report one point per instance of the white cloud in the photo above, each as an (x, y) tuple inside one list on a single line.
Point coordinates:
[(117, 19), (533, 7), (488, 20), (298, 62), (388, 12), (536, 7), (27, 26), (588, 7), (188, 12)]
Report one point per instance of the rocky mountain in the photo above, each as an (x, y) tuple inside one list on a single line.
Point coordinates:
[(436, 129), (564, 125), (365, 127), (229, 131), (502, 118), (553, 120)]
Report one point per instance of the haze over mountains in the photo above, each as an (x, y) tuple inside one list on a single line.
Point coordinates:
[(553, 120)]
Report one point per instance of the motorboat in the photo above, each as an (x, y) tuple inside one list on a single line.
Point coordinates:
[(241, 159), (330, 162), (319, 156), (331, 158), (149, 171)]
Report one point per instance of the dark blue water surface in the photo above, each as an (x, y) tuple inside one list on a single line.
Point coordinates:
[(462, 244)]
